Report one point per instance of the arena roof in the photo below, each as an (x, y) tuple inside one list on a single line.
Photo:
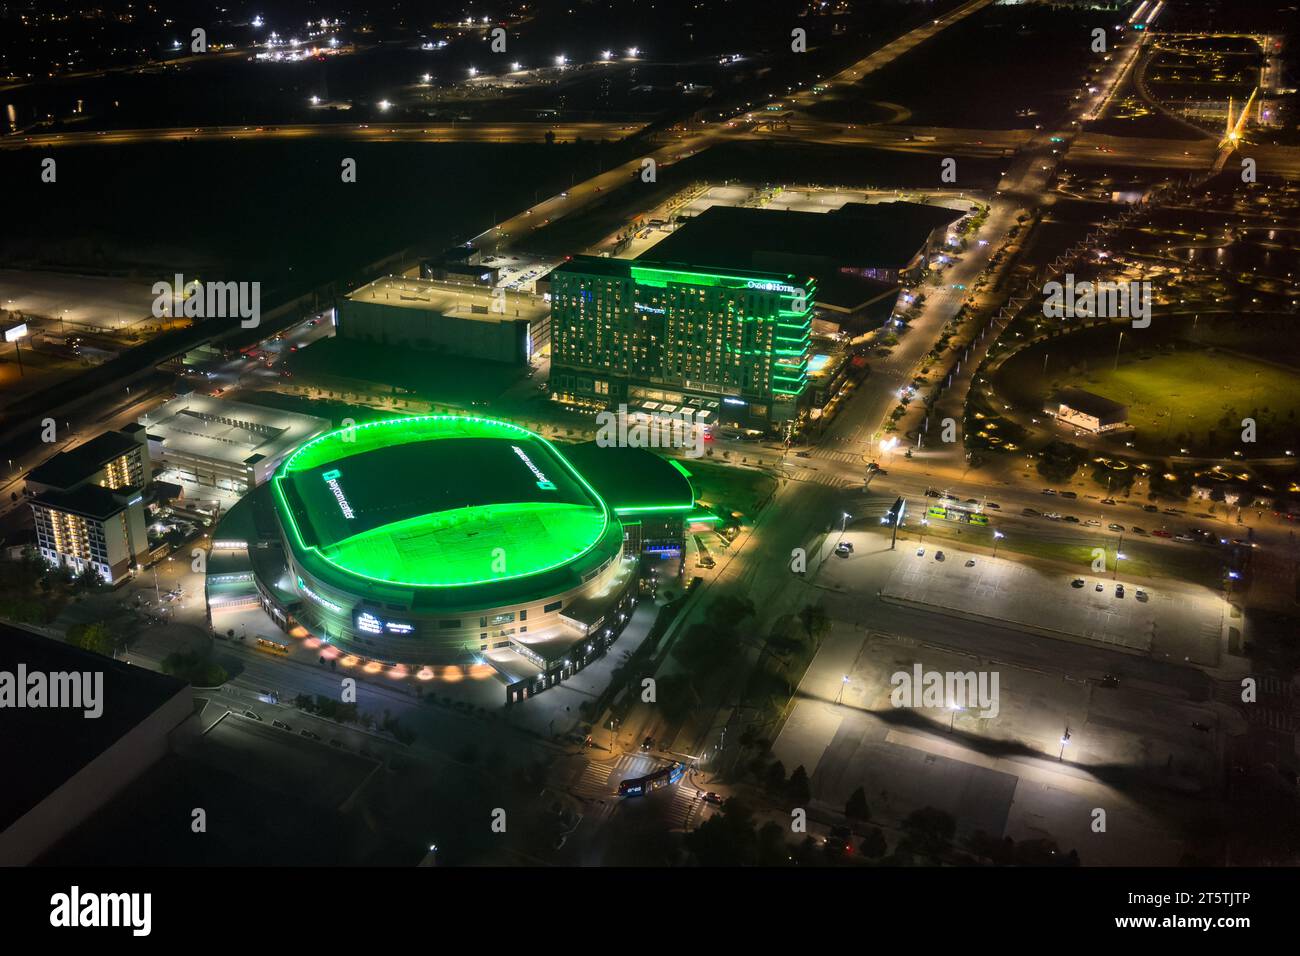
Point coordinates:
[(634, 480), (438, 501)]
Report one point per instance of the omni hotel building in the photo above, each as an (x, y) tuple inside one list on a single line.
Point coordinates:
[(730, 346)]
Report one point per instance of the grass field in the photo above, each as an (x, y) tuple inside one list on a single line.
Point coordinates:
[(1190, 392)]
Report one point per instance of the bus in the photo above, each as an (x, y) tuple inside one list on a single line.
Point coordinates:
[(272, 645), (957, 513), (663, 777)]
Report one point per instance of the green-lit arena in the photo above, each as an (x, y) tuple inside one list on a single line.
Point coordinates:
[(432, 539)]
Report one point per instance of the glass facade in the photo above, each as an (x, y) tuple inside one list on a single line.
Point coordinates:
[(623, 326)]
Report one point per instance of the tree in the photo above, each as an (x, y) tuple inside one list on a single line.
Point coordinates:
[(95, 637), (929, 831), (775, 776), (856, 808), (873, 844), (815, 621), (798, 787), (727, 838)]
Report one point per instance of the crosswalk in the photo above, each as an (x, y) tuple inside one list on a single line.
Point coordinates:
[(678, 806), (843, 457), (1275, 708)]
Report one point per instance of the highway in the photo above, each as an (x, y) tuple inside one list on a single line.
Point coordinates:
[(517, 132)]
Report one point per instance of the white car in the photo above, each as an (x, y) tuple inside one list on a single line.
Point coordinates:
[(920, 552)]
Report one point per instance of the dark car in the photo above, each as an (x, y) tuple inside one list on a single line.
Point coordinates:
[(938, 556), (648, 743), (1109, 680), (841, 836), (1151, 508), (1069, 494), (712, 798), (1203, 728), (994, 505)]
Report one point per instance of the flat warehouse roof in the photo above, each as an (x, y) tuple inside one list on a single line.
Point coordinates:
[(450, 299), (862, 235), (229, 432)]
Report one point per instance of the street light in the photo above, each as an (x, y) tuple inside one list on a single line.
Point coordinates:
[(997, 536), (953, 719), (924, 524), (1065, 742), (1119, 556), (843, 683)]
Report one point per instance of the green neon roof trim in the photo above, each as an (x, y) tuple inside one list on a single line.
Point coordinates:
[(644, 509), (395, 514), (679, 466)]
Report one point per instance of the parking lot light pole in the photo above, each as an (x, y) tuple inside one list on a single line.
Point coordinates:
[(952, 722), (997, 536), (1065, 742), (843, 683), (1119, 556)]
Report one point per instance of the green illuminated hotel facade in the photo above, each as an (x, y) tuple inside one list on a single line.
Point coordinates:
[(632, 332)]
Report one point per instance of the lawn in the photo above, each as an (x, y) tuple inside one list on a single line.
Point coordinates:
[(1189, 393)]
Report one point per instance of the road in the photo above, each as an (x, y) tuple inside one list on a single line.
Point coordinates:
[(514, 132)]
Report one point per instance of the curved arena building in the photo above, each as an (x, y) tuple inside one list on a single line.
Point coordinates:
[(428, 540)]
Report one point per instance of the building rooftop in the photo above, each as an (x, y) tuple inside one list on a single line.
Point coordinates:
[(633, 480), (457, 301), (41, 748), (1089, 403), (90, 501), (438, 501), (857, 235), (230, 432), (69, 468), (660, 269)]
